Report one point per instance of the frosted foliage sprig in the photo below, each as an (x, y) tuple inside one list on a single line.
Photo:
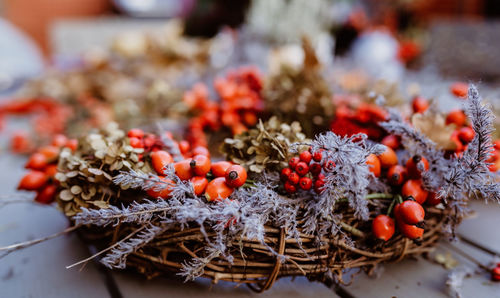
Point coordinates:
[(117, 257), (349, 179), (469, 176), (416, 143)]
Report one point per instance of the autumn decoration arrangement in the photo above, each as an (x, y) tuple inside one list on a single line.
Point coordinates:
[(267, 177)]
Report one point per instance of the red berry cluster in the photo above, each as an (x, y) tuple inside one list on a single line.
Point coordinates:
[(240, 102), (306, 171), (363, 118), (406, 179), (43, 168)]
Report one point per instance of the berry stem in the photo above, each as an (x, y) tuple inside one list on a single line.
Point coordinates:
[(379, 196), (352, 230), (391, 206)]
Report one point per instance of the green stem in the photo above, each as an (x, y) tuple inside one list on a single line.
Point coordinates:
[(391, 206), (379, 196), (352, 230)]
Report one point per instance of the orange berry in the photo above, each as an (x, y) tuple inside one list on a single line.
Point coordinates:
[(136, 142), (383, 227), (218, 189), (238, 128), (160, 159), (72, 144), (414, 164), (456, 117), (135, 133), (50, 152), (47, 194), (466, 134), (391, 141), (388, 158), (51, 171), (396, 174), (200, 164), (199, 184), (184, 146), (459, 89), (411, 212), (433, 199), (420, 104), (373, 164), (249, 118), (219, 168), (183, 169), (200, 150), (236, 176), (164, 192), (409, 231), (413, 188), (59, 140), (37, 161), (33, 180)]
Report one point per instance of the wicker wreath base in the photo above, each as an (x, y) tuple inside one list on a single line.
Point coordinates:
[(255, 265)]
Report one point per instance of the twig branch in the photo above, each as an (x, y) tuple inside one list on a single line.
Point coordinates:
[(10, 248), (106, 249)]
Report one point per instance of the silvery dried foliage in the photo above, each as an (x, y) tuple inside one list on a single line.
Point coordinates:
[(86, 175), (264, 147)]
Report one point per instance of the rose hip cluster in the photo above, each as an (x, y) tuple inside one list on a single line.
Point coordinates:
[(406, 179), (363, 118), (216, 181), (43, 167), (306, 171), (463, 133), (239, 104)]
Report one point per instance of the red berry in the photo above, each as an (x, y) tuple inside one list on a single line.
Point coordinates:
[(306, 157), (200, 164), (72, 144), (302, 168), (33, 180), (47, 194), (305, 183), (135, 142), (318, 156), (319, 186), (59, 140), (293, 162), (391, 141), (315, 168), (411, 212), (293, 178), (236, 176), (285, 173), (413, 188), (320, 176), (496, 144), (459, 89), (456, 117), (413, 164), (420, 104), (290, 188), (466, 134), (495, 274), (329, 165), (135, 133), (433, 199), (396, 175), (37, 161), (383, 227)]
